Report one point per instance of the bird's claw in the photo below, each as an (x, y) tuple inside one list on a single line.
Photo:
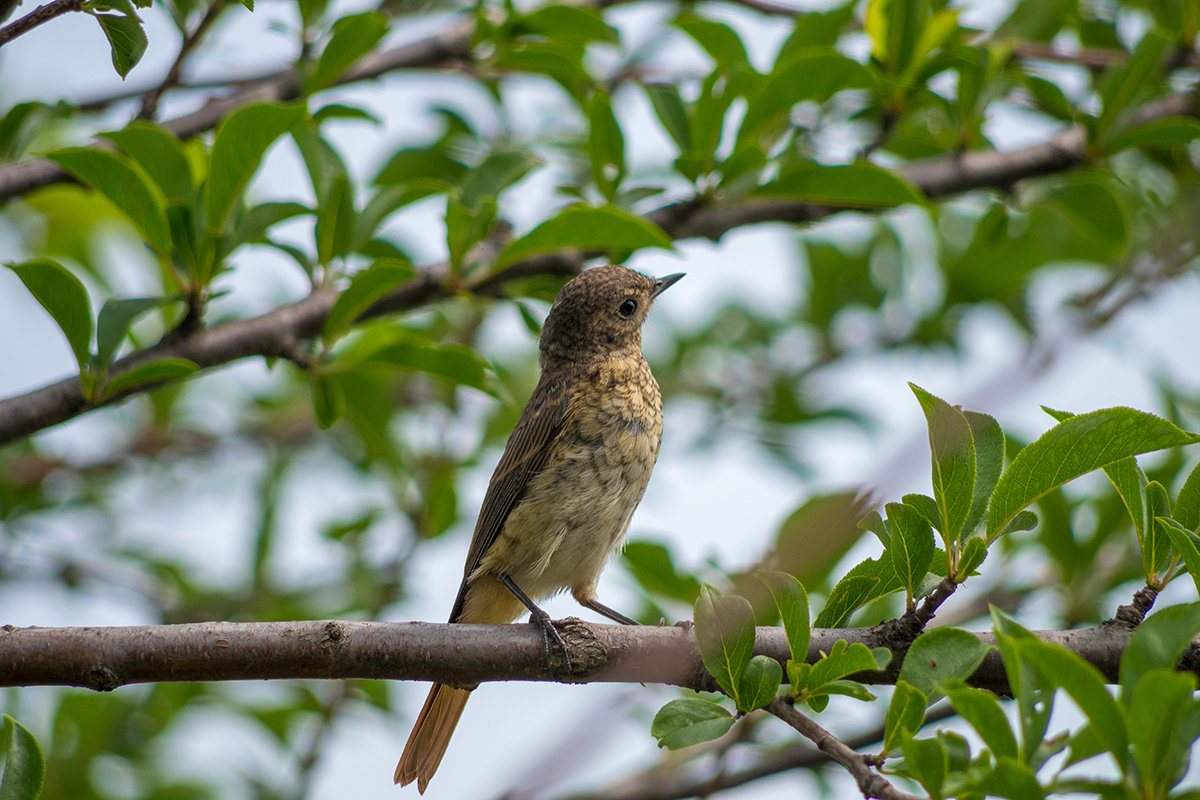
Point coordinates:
[(551, 634)]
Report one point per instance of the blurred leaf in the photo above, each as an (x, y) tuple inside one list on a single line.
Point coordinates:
[(1034, 695), (814, 537), (1129, 80), (654, 569), (239, 146), (725, 637), (150, 372), (252, 226), (352, 38), (125, 184), (160, 154), (671, 111), (64, 298), (1166, 133), (421, 164), (24, 764), (366, 287), (606, 146), (689, 721), (328, 399), (450, 362), (1164, 721), (815, 75), (1187, 504), (841, 186), (586, 228), (1075, 447), (568, 23), (719, 40), (116, 317)]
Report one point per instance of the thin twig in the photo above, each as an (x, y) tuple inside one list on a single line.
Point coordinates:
[(871, 783), (36, 17), (190, 40)]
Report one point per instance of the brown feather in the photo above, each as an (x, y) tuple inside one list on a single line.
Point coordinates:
[(431, 735)]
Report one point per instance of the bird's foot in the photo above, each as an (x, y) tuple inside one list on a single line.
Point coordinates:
[(550, 634)]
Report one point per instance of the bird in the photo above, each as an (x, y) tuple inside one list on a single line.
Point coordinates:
[(574, 469)]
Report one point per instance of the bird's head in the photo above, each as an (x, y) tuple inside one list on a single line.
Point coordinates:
[(600, 311)]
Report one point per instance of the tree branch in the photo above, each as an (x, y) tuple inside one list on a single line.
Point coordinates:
[(657, 783), (275, 333), (459, 655), (36, 17), (870, 782), (281, 86), (191, 38)]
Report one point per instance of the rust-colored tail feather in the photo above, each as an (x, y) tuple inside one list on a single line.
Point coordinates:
[(430, 735)]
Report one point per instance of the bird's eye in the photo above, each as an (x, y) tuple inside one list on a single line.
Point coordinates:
[(627, 308)]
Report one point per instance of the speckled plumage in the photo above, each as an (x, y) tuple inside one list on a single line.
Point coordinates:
[(572, 473)]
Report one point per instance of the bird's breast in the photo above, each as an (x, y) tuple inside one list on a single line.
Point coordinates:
[(576, 510)]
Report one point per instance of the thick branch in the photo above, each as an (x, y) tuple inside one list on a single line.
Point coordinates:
[(461, 655)]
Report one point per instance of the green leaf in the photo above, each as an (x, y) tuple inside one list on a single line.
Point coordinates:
[(843, 660), (841, 186), (587, 228), (719, 40), (125, 184), (792, 602), (606, 146), (816, 75), (905, 715), (725, 636), (689, 721), (328, 399), (973, 554), (952, 446), (654, 569), (941, 654), (423, 164), (252, 226), (160, 155), (1187, 504), (1120, 91), (1188, 546), (126, 40), (1158, 642), (336, 220), (1035, 697), (1164, 722), (1074, 447), (926, 761), (501, 169), (1012, 779), (449, 362), (757, 685), (24, 764), (982, 712), (989, 462), (911, 548), (1155, 541), (116, 317), (1161, 133), (352, 38), (569, 23), (238, 149), (64, 298), (151, 372), (1085, 685), (1024, 521), (671, 111), (866, 581), (365, 289)]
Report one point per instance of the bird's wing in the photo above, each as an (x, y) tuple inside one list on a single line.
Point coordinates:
[(529, 446)]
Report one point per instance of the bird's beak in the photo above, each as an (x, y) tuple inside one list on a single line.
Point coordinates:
[(662, 284)]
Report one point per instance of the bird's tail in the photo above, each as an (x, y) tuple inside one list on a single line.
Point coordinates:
[(430, 735)]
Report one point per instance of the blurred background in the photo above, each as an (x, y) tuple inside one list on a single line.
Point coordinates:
[(784, 358)]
